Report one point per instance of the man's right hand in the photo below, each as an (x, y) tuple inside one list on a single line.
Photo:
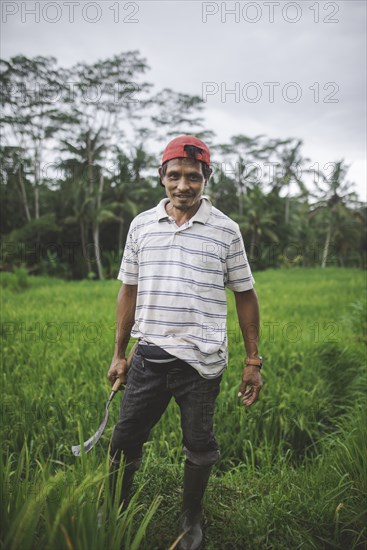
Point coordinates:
[(118, 369)]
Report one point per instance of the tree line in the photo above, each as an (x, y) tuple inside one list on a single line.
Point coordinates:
[(79, 158)]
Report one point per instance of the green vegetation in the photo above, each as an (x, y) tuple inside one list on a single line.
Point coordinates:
[(77, 170), (293, 468), (17, 280)]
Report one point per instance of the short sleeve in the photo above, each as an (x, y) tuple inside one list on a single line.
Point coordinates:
[(129, 270), (239, 276)]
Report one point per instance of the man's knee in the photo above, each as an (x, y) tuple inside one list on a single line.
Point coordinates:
[(202, 458), (120, 445)]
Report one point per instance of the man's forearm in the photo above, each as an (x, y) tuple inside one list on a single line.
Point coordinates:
[(125, 317), (249, 319)]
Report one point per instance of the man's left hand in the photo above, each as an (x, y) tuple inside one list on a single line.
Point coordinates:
[(251, 385)]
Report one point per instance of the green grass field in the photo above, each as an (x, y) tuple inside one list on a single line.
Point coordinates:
[(293, 468)]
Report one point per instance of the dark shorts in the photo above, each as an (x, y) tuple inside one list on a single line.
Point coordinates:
[(149, 388)]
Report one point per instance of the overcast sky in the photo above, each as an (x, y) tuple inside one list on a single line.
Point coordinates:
[(297, 69)]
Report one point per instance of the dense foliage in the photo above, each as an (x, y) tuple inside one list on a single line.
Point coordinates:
[(79, 160)]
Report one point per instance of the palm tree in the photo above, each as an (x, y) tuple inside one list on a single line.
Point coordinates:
[(257, 221), (222, 191), (242, 155), (123, 193), (292, 168), (334, 201), (88, 179), (76, 194)]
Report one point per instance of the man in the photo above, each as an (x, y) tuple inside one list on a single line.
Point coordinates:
[(179, 258)]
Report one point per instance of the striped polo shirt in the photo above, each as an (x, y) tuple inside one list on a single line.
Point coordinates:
[(182, 273)]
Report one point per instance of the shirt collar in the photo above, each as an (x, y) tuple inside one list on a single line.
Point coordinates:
[(201, 216)]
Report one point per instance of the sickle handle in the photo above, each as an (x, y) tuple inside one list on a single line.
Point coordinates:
[(129, 360), (116, 385)]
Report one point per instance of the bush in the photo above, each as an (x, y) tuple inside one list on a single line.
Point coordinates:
[(16, 281)]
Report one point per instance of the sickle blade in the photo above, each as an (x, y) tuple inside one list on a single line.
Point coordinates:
[(89, 444)]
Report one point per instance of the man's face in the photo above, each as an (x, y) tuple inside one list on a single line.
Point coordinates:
[(184, 182)]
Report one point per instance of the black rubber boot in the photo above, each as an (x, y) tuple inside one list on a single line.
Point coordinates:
[(195, 482)]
